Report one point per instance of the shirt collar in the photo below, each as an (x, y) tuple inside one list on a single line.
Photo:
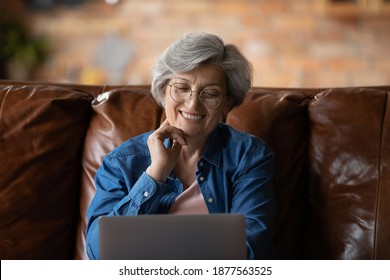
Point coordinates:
[(213, 149)]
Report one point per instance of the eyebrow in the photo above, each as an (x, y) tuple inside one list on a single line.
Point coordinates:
[(175, 78), (207, 85)]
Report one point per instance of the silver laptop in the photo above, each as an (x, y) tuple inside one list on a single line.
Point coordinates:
[(173, 237)]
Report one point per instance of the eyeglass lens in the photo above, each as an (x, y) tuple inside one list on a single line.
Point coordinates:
[(182, 93)]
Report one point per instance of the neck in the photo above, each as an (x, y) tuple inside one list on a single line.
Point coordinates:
[(194, 149), (186, 165)]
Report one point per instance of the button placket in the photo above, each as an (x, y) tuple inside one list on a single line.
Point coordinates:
[(202, 178), (200, 170)]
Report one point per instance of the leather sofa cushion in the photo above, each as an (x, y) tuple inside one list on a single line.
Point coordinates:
[(42, 130), (118, 115)]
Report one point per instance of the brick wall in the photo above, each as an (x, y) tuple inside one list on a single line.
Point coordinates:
[(290, 43)]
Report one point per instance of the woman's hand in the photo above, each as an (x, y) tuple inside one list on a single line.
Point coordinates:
[(163, 158)]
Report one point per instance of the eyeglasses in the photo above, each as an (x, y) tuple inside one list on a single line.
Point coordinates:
[(182, 93)]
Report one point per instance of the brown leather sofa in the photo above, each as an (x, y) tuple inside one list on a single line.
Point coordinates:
[(332, 149)]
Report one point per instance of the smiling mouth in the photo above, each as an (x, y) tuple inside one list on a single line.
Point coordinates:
[(191, 117)]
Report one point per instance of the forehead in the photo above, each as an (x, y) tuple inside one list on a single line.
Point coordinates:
[(206, 74)]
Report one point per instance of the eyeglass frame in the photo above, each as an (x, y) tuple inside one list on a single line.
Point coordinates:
[(190, 96)]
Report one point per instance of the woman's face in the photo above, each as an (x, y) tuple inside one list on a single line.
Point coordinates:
[(193, 117)]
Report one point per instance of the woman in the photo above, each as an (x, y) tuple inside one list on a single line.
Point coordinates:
[(193, 163)]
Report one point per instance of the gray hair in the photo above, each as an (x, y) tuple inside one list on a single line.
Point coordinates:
[(195, 49)]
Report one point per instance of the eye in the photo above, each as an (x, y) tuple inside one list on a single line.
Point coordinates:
[(210, 94), (182, 88)]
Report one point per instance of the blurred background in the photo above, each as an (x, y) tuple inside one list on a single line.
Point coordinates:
[(305, 43)]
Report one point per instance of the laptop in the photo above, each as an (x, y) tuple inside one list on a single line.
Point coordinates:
[(173, 237)]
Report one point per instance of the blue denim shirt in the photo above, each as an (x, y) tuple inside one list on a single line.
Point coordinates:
[(235, 175)]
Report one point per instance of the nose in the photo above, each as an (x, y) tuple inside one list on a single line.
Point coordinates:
[(194, 100)]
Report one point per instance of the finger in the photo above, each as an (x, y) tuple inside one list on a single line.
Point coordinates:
[(172, 132), (156, 140), (164, 123), (176, 146), (179, 138)]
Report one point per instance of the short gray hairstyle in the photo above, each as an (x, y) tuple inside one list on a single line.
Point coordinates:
[(195, 49)]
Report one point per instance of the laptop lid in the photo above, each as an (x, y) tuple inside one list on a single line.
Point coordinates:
[(173, 237)]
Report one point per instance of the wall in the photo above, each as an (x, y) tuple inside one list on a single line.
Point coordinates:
[(290, 43)]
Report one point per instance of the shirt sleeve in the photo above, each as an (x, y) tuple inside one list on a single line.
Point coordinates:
[(253, 196), (118, 194)]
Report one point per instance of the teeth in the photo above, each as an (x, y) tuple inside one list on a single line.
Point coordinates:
[(191, 117)]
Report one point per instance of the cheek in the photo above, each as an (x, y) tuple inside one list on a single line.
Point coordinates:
[(170, 110), (216, 117), (223, 111), (226, 107)]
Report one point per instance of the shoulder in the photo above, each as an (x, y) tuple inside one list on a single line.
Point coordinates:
[(230, 147), (135, 146), (242, 140), (126, 160), (244, 153)]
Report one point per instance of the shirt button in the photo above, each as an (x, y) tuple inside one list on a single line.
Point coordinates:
[(201, 178), (201, 163), (210, 200), (146, 194)]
